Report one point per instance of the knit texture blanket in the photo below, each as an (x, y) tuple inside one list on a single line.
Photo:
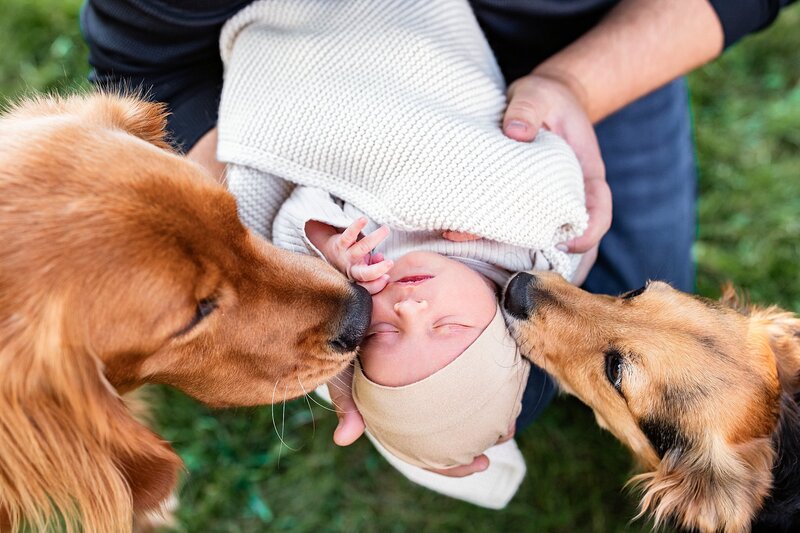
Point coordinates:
[(393, 106)]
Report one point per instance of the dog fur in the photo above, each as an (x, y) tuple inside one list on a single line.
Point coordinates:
[(704, 393), (124, 264)]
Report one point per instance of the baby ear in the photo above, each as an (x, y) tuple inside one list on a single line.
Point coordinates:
[(717, 489)]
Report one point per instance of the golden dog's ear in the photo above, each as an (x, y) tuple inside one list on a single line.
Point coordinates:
[(719, 488), (732, 299), (139, 117), (128, 112), (70, 451)]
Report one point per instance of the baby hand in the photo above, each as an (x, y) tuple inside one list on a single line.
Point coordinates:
[(354, 258)]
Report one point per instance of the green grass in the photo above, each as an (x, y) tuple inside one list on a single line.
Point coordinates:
[(747, 113), (241, 478)]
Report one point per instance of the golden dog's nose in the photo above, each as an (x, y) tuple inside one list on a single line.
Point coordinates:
[(517, 299), (357, 316)]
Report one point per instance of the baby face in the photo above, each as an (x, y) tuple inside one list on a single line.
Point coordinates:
[(431, 310)]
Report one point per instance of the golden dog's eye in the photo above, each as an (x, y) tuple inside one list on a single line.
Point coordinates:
[(614, 368), (205, 307)]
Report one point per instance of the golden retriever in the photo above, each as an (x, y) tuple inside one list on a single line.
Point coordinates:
[(124, 264), (704, 393)]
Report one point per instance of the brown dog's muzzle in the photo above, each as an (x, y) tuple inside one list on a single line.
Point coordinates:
[(357, 314)]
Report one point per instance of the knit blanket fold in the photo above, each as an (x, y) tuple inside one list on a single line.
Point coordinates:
[(393, 106)]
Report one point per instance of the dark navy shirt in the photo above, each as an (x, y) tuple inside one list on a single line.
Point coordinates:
[(169, 48)]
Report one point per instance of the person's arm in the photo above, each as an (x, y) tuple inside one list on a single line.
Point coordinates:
[(639, 46), (169, 53), (643, 44), (204, 152)]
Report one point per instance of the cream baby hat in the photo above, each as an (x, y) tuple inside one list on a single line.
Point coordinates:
[(456, 413)]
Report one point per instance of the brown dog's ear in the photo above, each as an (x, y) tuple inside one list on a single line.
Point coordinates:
[(717, 489), (783, 329), (70, 451), (783, 333)]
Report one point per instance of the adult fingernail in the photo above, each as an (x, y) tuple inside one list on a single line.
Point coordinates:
[(516, 125), (562, 247)]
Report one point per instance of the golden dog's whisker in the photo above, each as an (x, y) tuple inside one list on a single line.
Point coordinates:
[(283, 414), (310, 410), (340, 386), (283, 419), (342, 382), (275, 424), (337, 409), (309, 397)]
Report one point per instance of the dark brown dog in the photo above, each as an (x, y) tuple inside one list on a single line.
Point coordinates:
[(704, 393), (124, 264)]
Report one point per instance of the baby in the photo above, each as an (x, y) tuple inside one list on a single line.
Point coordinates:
[(368, 111), (438, 379)]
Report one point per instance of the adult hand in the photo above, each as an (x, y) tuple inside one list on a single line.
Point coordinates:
[(536, 101), (351, 425), (459, 236), (204, 152), (478, 464), (584, 266)]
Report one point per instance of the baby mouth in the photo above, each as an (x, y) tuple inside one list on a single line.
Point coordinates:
[(413, 280)]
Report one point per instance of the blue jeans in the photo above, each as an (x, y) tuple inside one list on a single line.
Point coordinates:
[(648, 150)]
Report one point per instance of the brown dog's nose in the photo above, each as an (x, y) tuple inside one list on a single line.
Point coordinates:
[(517, 299), (358, 312)]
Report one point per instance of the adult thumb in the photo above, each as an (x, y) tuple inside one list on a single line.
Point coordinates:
[(522, 118)]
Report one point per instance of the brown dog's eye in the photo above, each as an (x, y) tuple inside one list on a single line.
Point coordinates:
[(633, 294), (614, 369)]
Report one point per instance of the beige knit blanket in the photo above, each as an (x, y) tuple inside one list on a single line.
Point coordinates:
[(393, 106)]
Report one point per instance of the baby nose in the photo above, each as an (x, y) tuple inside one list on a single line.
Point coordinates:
[(410, 305)]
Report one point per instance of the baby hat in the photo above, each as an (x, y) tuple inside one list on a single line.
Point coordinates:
[(456, 413)]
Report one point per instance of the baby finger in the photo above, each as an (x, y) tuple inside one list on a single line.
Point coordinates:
[(365, 245), (350, 234), (375, 286), (370, 272)]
